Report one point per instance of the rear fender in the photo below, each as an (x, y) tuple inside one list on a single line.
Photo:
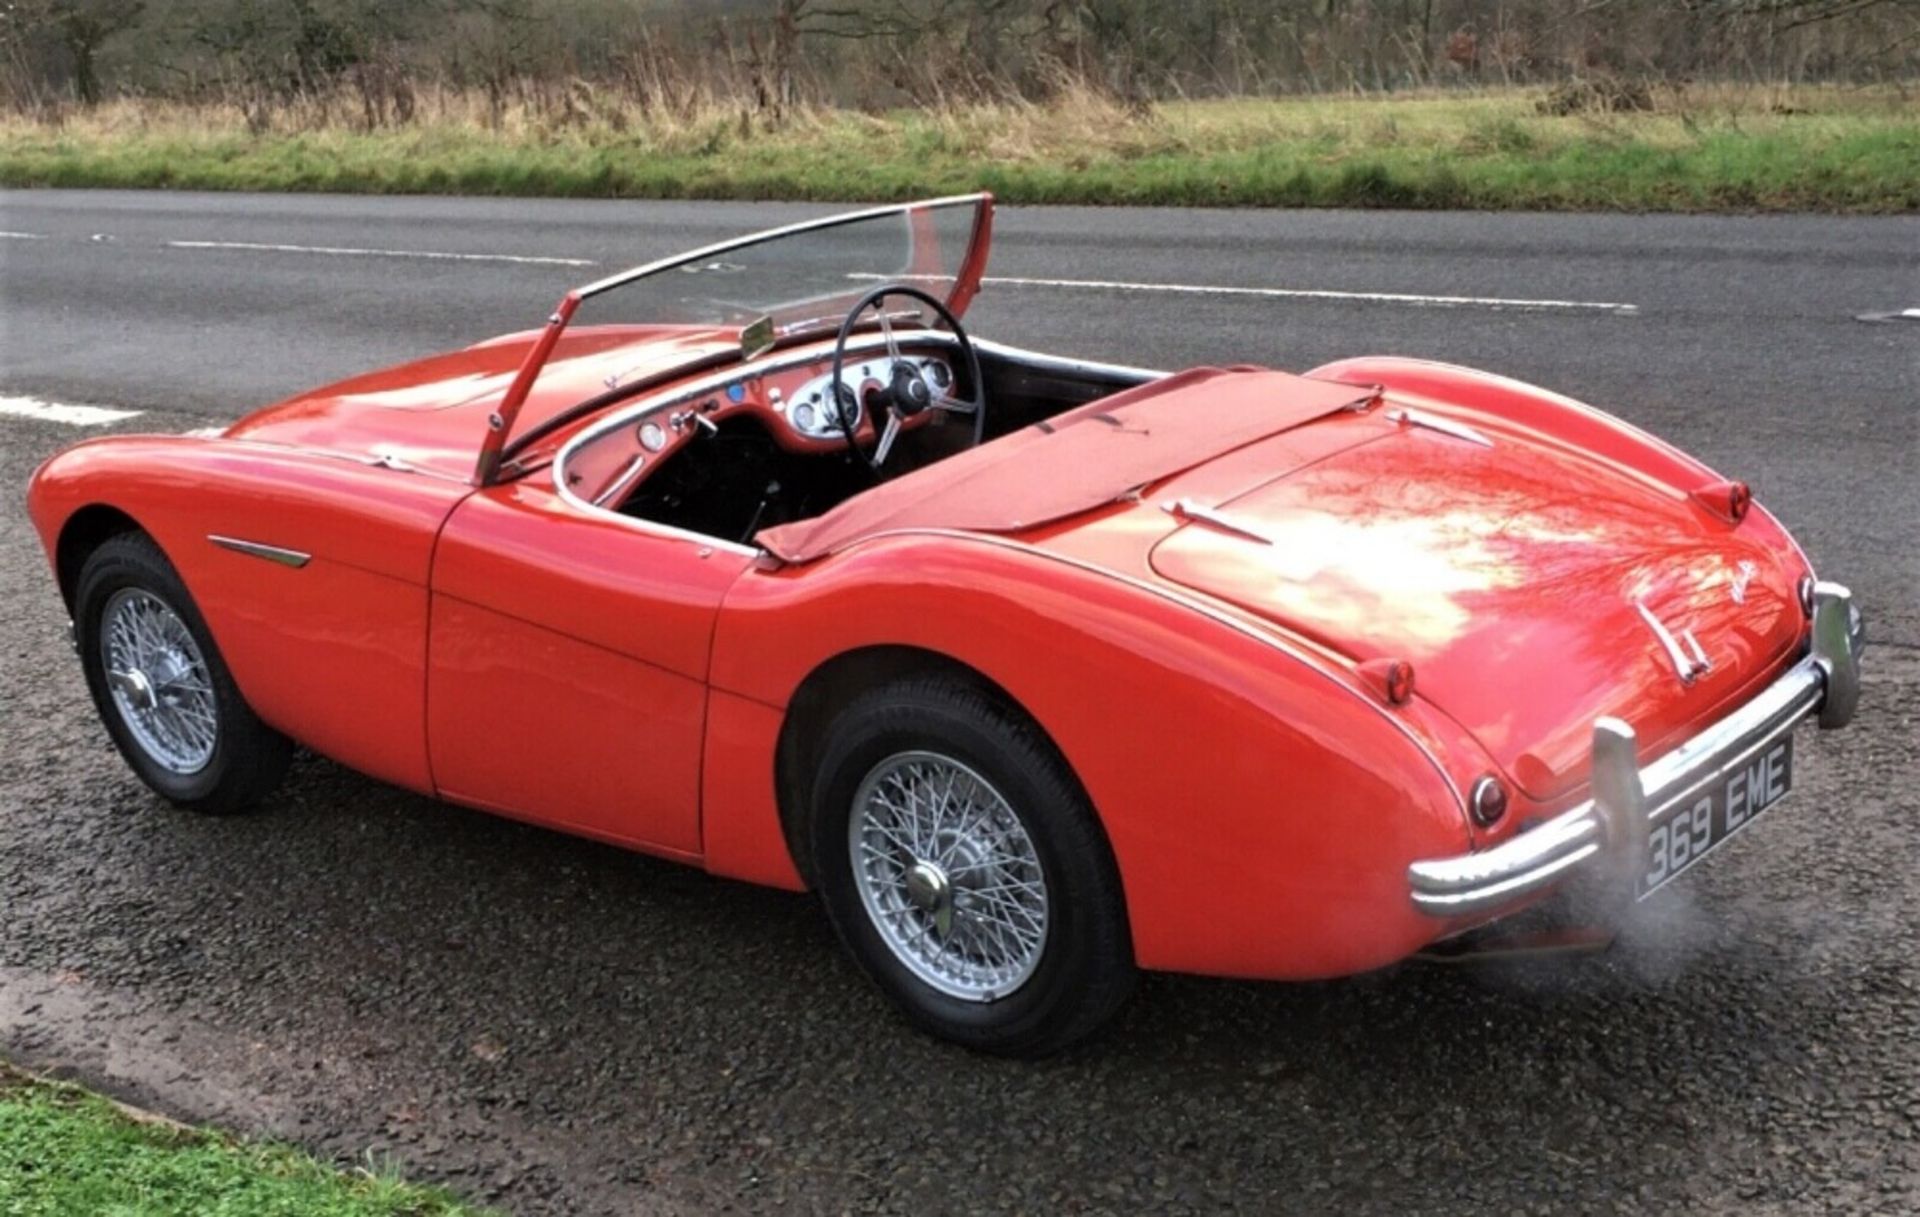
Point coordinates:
[(1546, 414), (1467, 392), (1262, 812)]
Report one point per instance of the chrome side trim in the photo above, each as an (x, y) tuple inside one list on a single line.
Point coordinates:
[(256, 549), (1044, 362), (1610, 829), (1409, 417), (1187, 509), (635, 464)]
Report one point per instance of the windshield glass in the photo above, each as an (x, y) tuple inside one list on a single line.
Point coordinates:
[(805, 277), (800, 280)]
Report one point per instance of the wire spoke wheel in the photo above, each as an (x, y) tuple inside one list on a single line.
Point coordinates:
[(159, 681), (948, 875)]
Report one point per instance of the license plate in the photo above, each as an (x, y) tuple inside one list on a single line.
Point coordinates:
[(1689, 828)]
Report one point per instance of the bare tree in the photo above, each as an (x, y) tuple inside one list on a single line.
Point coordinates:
[(80, 26), (773, 54)]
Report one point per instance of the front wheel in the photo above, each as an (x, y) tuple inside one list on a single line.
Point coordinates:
[(161, 688), (965, 870)]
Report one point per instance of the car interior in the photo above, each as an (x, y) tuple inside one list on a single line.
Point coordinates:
[(740, 460)]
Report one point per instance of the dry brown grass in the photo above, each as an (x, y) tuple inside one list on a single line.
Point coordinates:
[(1703, 147)]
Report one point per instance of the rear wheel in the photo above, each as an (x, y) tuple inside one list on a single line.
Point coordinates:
[(966, 872), (161, 687)]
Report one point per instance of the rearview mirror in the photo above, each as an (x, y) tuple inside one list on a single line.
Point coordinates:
[(757, 338)]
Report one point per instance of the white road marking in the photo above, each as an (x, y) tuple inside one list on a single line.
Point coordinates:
[(340, 251), (1295, 293), (1914, 313), (61, 412), (23, 236)]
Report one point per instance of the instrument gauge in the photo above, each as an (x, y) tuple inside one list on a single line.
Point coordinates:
[(816, 408), (849, 407), (938, 376), (653, 436)]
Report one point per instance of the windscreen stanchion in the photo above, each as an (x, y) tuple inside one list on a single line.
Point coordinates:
[(500, 422)]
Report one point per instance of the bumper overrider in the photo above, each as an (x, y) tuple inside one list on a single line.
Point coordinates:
[(1606, 837)]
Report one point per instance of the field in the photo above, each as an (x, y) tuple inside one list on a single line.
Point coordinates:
[(1705, 148), (64, 1152)]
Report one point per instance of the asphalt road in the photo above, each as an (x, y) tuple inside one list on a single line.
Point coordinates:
[(567, 1028)]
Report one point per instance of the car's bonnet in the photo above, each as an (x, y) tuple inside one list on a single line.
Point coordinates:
[(432, 413)]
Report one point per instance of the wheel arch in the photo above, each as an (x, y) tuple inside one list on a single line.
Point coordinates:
[(357, 600), (835, 682), (83, 532)]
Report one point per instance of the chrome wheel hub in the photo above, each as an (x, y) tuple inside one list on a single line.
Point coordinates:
[(158, 681), (930, 890), (135, 687), (948, 875)]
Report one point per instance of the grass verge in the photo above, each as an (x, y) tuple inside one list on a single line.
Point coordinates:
[(1806, 149), (65, 1152)]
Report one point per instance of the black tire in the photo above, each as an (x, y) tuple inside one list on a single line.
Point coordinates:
[(1085, 969), (248, 757)]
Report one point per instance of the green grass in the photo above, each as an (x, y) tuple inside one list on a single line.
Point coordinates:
[(65, 1153), (1716, 150)]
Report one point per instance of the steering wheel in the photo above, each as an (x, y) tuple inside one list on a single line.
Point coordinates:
[(905, 392)]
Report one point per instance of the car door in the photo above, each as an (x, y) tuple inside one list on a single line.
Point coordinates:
[(567, 665)]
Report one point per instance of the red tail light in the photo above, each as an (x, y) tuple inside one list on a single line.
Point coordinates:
[(1488, 802)]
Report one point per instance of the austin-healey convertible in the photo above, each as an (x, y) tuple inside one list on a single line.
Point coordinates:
[(1040, 671)]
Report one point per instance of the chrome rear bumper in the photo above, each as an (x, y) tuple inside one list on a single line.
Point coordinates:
[(1608, 832)]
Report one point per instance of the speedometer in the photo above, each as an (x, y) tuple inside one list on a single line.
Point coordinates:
[(848, 411), (816, 410)]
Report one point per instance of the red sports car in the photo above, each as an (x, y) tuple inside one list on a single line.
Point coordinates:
[(1040, 671)]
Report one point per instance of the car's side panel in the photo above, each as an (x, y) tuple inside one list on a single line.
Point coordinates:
[(1261, 812), (530, 723), (333, 652), (524, 551), (569, 666), (740, 809)]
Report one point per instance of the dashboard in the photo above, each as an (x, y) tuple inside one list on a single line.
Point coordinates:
[(791, 399), (810, 408)]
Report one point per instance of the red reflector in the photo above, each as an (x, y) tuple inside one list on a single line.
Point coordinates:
[(1392, 679), (1728, 500), (1739, 498)]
